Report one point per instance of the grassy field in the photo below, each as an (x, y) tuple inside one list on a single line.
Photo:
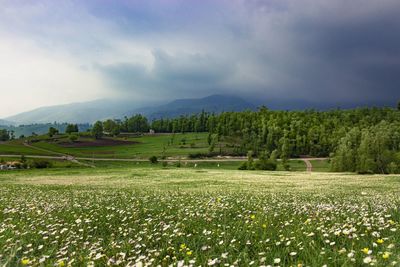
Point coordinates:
[(145, 146), (321, 165), (16, 147), (141, 215)]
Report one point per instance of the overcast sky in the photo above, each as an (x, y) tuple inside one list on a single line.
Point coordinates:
[(296, 51)]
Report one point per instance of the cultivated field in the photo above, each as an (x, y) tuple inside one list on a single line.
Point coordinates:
[(200, 217), (169, 145)]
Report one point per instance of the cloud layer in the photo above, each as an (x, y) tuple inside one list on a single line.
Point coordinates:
[(328, 52)]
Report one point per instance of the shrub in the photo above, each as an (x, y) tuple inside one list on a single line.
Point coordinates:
[(178, 164), (243, 166), (73, 138), (41, 164), (201, 155), (153, 160), (265, 165), (286, 166)]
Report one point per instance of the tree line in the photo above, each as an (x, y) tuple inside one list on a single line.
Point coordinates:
[(365, 140)]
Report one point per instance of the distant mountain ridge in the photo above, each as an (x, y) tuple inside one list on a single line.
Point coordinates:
[(89, 112), (6, 123), (85, 112), (189, 106)]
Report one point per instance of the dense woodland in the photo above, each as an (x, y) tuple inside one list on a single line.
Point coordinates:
[(366, 140)]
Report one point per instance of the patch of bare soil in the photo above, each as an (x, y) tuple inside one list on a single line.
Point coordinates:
[(96, 143)]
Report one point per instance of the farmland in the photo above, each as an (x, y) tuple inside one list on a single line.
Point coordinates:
[(145, 215), (129, 147)]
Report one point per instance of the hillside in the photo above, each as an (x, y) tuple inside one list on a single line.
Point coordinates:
[(6, 123), (213, 104), (89, 112), (40, 128), (85, 112)]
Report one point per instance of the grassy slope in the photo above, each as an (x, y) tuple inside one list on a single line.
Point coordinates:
[(16, 147), (146, 146)]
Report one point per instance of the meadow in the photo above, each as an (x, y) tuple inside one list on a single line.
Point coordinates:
[(152, 216), (169, 145)]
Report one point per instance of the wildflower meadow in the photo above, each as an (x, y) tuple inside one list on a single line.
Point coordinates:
[(198, 218)]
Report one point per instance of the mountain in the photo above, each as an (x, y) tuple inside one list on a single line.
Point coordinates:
[(40, 128), (85, 112), (89, 112), (6, 123), (213, 103)]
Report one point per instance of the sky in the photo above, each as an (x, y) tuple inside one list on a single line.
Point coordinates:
[(315, 52)]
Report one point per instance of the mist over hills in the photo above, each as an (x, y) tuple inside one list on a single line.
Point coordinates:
[(178, 107), (89, 112), (6, 123)]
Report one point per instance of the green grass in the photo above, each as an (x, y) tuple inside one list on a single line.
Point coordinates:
[(165, 144), (16, 147), (321, 165), (200, 216)]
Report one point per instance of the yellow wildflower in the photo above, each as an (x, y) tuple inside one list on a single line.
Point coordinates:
[(60, 263), (252, 216), (189, 253), (264, 226), (366, 251), (386, 255), (379, 241), (25, 261)]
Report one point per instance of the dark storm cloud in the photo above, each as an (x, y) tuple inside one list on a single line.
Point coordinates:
[(356, 56), (170, 76), (333, 52)]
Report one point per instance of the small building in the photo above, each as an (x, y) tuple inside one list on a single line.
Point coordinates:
[(152, 131)]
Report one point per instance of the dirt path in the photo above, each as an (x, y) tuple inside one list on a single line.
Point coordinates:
[(61, 156), (43, 150), (308, 165)]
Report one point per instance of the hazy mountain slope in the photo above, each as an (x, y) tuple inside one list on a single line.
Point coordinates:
[(86, 112), (6, 123), (213, 103), (89, 112), (27, 130)]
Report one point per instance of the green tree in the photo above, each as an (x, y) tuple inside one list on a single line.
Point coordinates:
[(97, 130), (52, 131), (71, 128), (209, 138), (4, 135), (112, 127), (345, 157), (250, 160), (73, 137)]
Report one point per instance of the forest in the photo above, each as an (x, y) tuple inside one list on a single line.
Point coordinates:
[(363, 140)]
